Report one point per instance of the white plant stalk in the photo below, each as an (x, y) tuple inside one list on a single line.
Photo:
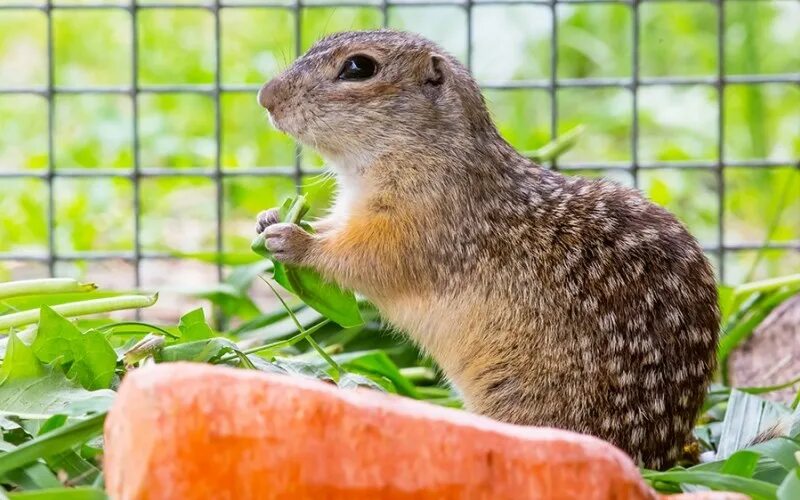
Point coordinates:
[(81, 308), (43, 286)]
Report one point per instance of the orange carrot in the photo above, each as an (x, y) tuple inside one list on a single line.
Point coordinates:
[(192, 431), (707, 495)]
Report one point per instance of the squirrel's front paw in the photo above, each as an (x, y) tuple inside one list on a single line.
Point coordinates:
[(266, 219), (289, 243)]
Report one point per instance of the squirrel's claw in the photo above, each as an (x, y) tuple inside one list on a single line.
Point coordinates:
[(267, 218), (288, 242)]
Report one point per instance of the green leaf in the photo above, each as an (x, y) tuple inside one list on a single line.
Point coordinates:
[(35, 476), (323, 296), (726, 298), (302, 368), (200, 350), (20, 362), (354, 380), (79, 471), (263, 365), (52, 443), (790, 487), (90, 356), (242, 276), (193, 326), (781, 450), (280, 277), (55, 337), (81, 493), (758, 490), (49, 395), (746, 417), (93, 366), (327, 298), (377, 363), (53, 423), (768, 284), (742, 463), (744, 328)]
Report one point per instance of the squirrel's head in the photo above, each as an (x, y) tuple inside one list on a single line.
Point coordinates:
[(355, 96)]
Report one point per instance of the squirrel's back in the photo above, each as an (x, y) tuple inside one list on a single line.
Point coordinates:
[(601, 310)]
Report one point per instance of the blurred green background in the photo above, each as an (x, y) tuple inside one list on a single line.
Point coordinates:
[(93, 49)]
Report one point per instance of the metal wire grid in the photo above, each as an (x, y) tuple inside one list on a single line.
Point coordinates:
[(215, 90)]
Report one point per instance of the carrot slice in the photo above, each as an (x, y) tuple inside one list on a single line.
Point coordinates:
[(191, 431)]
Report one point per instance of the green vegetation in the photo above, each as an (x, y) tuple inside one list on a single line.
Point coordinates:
[(58, 377)]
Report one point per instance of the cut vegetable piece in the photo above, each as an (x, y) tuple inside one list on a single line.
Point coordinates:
[(183, 430)]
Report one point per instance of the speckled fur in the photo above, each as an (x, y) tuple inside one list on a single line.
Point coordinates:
[(547, 300)]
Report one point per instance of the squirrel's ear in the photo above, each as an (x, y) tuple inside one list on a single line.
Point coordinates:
[(435, 70)]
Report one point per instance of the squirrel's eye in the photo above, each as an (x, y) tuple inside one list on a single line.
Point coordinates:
[(358, 68)]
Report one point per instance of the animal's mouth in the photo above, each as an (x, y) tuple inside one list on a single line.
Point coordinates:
[(298, 127), (293, 127), (283, 122), (273, 121)]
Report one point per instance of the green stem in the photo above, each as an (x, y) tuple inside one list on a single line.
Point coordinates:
[(81, 308), (281, 344), (766, 285), (148, 346), (303, 332), (137, 323), (283, 303), (418, 373), (246, 362), (433, 392), (451, 402), (769, 388), (43, 286), (557, 146), (326, 357), (297, 211), (796, 401)]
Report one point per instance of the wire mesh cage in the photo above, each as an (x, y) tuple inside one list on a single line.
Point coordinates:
[(557, 97)]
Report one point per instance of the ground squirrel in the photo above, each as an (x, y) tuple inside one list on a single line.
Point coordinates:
[(546, 299)]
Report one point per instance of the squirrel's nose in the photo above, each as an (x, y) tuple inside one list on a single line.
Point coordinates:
[(266, 95)]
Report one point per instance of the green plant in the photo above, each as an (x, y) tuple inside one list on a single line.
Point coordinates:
[(58, 378)]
